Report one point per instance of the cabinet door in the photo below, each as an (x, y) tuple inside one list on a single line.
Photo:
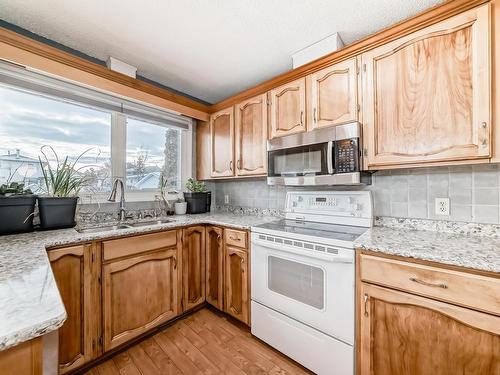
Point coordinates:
[(75, 278), (222, 143), (203, 151), (214, 266), (236, 297), (288, 107), (193, 267), (139, 293), (334, 95), (405, 334), (426, 95), (251, 136)]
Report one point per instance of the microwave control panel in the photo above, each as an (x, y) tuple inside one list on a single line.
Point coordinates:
[(347, 155)]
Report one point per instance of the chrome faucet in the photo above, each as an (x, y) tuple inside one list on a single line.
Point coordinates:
[(112, 198)]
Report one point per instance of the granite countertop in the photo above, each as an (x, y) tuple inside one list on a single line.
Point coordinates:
[(464, 250), (31, 303)]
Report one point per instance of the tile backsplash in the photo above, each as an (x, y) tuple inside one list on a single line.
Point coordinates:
[(473, 192)]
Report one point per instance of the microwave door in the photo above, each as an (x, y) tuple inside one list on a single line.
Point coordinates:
[(300, 161)]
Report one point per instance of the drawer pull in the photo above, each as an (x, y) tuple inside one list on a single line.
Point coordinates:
[(234, 238), (365, 300), (441, 285)]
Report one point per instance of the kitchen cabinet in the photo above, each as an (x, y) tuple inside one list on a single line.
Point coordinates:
[(236, 285), (222, 143), (140, 285), (76, 271), (334, 95), (214, 248), (251, 136), (23, 359), (426, 96), (288, 109), (193, 267), (203, 151), (420, 319)]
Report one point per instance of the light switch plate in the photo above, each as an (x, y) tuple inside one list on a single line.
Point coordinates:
[(442, 206), (226, 198)]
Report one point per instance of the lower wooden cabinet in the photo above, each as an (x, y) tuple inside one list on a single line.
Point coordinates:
[(406, 334), (23, 359), (75, 272), (139, 293), (193, 267), (236, 284), (214, 250)]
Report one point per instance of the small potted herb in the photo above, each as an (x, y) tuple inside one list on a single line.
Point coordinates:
[(17, 206), (197, 197), (180, 207), (62, 183)]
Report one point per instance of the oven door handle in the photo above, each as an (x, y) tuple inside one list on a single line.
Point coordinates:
[(329, 157), (308, 253)]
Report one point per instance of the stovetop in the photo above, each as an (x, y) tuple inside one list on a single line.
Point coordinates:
[(312, 230)]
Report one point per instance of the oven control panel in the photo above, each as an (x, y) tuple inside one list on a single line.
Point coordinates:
[(328, 205)]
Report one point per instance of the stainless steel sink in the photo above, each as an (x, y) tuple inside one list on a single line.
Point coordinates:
[(105, 228), (151, 222)]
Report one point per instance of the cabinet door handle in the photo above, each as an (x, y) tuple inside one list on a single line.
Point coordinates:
[(421, 282), (242, 261), (218, 238), (175, 263), (314, 115), (231, 165), (238, 164), (301, 117), (365, 301)]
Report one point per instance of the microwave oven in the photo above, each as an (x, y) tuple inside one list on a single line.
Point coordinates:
[(329, 156)]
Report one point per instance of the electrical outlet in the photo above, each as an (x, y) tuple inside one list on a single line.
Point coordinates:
[(442, 206), (226, 198)]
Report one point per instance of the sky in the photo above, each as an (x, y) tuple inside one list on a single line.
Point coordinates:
[(27, 122)]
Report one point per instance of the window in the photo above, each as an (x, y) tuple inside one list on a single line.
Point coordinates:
[(28, 122), (133, 145), (152, 156)]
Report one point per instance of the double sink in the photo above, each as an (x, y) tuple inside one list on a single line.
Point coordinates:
[(108, 228)]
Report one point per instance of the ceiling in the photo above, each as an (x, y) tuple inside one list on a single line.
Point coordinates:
[(207, 49)]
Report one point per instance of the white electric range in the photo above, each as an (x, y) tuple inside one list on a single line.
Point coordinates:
[(303, 278)]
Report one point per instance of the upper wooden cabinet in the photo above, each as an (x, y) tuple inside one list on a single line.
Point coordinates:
[(76, 278), (427, 95), (288, 108), (221, 143), (333, 95), (193, 267), (251, 136), (203, 151)]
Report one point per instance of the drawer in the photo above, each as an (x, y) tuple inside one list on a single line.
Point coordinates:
[(466, 289), (121, 247), (236, 238)]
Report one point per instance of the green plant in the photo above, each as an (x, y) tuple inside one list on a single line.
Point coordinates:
[(62, 180), (195, 186), (14, 188)]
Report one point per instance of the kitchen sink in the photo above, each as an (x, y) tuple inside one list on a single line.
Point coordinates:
[(105, 228), (151, 222)]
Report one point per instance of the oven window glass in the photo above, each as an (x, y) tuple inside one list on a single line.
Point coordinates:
[(299, 161), (298, 281)]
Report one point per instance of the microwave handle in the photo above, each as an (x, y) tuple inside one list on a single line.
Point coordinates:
[(329, 157)]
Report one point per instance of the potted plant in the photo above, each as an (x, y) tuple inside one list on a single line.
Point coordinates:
[(17, 206), (62, 183), (180, 207), (196, 197)]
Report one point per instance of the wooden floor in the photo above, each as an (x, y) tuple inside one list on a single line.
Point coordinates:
[(202, 343)]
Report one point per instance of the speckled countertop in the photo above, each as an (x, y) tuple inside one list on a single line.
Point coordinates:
[(465, 250), (30, 302)]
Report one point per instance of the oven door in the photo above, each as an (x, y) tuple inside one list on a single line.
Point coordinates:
[(299, 161), (315, 289)]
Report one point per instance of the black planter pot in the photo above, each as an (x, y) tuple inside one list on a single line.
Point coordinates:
[(196, 202), (16, 213), (57, 213)]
